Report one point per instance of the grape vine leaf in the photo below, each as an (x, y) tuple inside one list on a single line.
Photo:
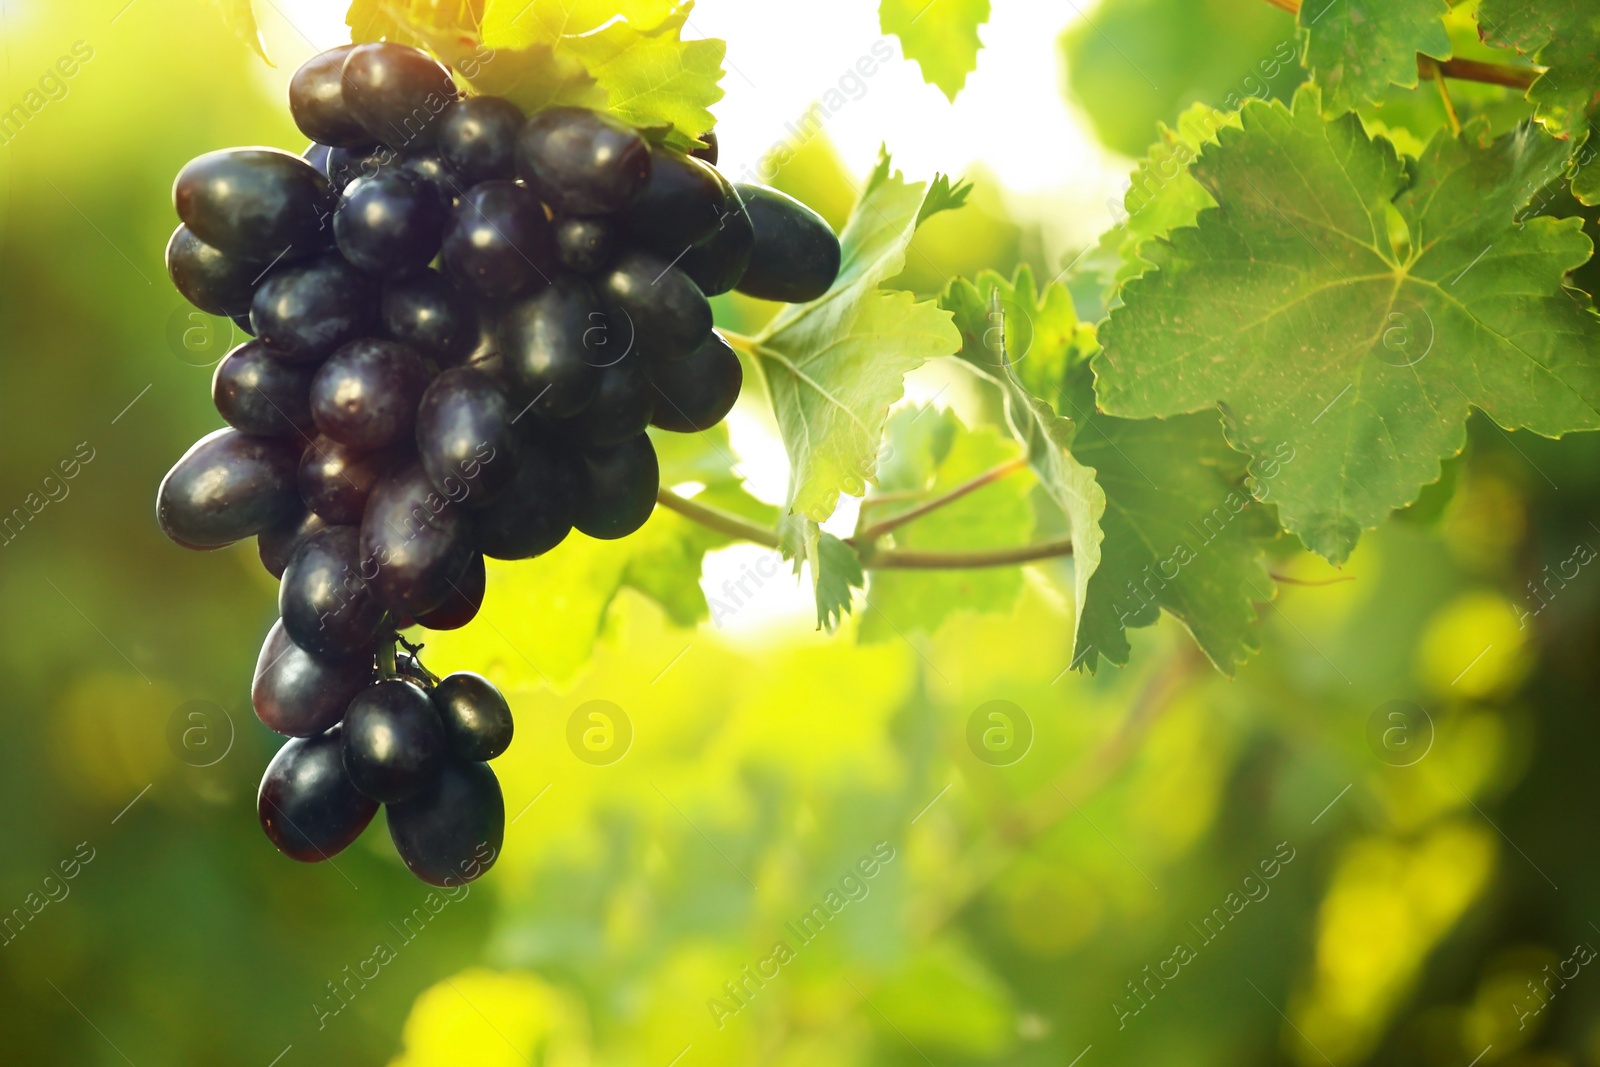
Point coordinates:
[(931, 452), (838, 575), (1041, 329), (1586, 171), (240, 18), (1356, 49), (945, 44), (1355, 308), (833, 366), (623, 56), (1564, 37)]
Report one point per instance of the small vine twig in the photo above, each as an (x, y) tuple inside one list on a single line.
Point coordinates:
[(877, 530)]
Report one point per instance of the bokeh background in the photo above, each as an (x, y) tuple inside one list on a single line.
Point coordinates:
[(1411, 757)]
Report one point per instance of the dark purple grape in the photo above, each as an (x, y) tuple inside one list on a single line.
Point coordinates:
[(277, 544), (257, 203), (709, 152), (619, 489), (461, 604), (465, 436), (657, 303), (390, 225), (227, 487), (306, 311), (478, 138), (695, 394), (316, 100), (499, 242), (259, 394), (345, 165), (366, 394), (300, 695), (317, 155), (718, 263), (430, 315), (393, 740), (212, 280), (431, 171), (555, 343), (307, 804), (535, 514), (416, 540), (242, 320), (451, 832), (621, 407), (581, 162), (397, 93), (336, 480), (585, 245), (476, 717), (681, 204), (796, 254), (325, 600)]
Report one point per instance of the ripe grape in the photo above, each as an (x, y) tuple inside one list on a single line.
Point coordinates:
[(277, 544), (662, 307), (227, 487), (316, 100), (257, 203), (451, 832), (621, 407), (393, 740), (796, 254), (416, 542), (535, 514), (390, 225), (428, 169), (396, 93), (581, 162), (585, 245), (325, 600), (478, 139), (695, 394), (499, 242), (619, 489), (461, 604), (345, 165), (679, 207), (477, 719), (307, 804), (554, 344), (258, 394), (366, 394), (465, 436), (306, 311), (718, 263), (430, 315), (335, 480), (301, 695), (214, 281)]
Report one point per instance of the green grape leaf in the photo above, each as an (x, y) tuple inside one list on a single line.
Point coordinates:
[(1356, 49), (1586, 171), (1182, 534), (996, 318), (1564, 37), (838, 574), (1162, 195), (833, 366), (623, 56), (932, 453), (240, 18), (944, 43), (1355, 312)]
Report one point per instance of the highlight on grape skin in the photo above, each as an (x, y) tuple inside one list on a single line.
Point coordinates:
[(465, 319)]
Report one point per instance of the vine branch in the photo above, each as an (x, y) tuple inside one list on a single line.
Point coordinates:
[(723, 522), (877, 530)]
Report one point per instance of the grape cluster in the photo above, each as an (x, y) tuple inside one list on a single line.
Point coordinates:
[(463, 320)]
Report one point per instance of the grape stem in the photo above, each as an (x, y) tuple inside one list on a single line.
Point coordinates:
[(874, 532), (386, 662), (1471, 70)]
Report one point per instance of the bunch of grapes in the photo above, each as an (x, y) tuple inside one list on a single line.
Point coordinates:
[(463, 320)]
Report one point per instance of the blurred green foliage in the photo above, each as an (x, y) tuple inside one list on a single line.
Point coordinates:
[(1017, 907)]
